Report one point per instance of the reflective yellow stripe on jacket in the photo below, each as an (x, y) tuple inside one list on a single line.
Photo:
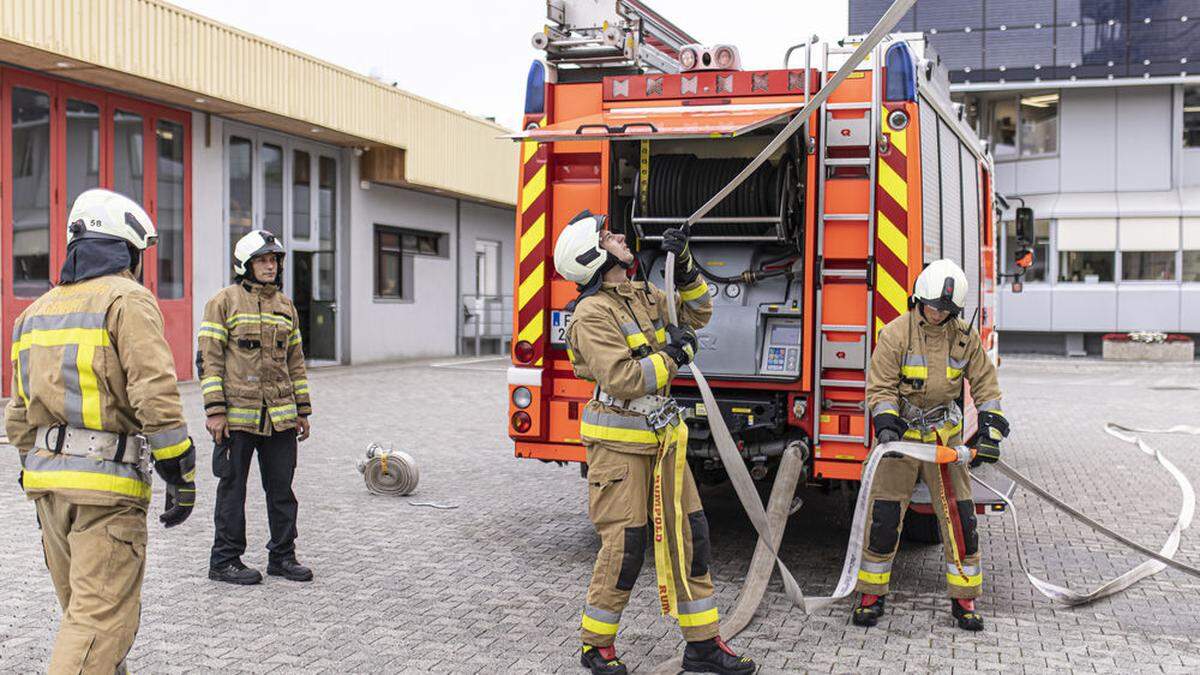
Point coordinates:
[(46, 471), (79, 334), (602, 426)]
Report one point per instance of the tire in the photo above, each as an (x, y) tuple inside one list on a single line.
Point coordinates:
[(921, 528)]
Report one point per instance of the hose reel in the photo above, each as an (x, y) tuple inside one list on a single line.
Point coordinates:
[(389, 472)]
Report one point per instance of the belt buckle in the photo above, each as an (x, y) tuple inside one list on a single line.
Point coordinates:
[(665, 415)]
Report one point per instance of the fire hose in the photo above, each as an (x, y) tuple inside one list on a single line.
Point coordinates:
[(389, 472)]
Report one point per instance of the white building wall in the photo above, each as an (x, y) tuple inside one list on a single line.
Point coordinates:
[(370, 329)]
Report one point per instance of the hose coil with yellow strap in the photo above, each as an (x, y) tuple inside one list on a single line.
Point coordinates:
[(389, 472)]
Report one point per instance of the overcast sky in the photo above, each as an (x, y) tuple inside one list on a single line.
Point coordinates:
[(473, 54)]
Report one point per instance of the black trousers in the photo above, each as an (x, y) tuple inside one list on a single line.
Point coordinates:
[(277, 464)]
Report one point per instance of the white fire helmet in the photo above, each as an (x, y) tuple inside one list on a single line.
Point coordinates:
[(104, 214), (942, 285), (252, 245), (577, 253)]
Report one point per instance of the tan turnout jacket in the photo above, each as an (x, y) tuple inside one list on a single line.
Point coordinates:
[(926, 365), (92, 355), (251, 360), (615, 339)]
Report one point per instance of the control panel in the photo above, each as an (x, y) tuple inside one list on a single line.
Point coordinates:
[(781, 346)]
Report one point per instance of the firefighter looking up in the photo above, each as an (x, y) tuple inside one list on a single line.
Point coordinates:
[(256, 398), (913, 387), (94, 402), (640, 488)]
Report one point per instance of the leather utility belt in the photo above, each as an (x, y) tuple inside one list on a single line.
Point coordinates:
[(660, 411), (928, 421), (98, 445)]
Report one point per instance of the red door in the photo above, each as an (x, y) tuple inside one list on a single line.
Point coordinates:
[(58, 139)]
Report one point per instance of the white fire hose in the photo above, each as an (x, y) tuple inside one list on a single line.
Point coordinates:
[(389, 472)]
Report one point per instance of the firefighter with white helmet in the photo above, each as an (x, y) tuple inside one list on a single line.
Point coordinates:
[(255, 388), (640, 488), (916, 378), (94, 403)]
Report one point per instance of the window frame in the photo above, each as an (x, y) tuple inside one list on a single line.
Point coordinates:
[(405, 255), (1015, 98), (1183, 112)]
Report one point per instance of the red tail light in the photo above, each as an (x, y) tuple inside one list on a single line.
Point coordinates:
[(521, 421), (523, 351)]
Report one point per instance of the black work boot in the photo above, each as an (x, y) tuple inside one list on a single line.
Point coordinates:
[(870, 608), (714, 656), (964, 612), (289, 569), (235, 572), (602, 660)]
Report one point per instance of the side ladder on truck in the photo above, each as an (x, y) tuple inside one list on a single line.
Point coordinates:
[(845, 237)]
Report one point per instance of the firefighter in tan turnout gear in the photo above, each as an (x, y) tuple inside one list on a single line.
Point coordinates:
[(640, 489), (94, 402), (255, 389), (916, 378)]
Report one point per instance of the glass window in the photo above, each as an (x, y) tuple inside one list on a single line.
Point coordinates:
[(1148, 265), (1041, 250), (30, 192), (1004, 128), (83, 148), (128, 147), (388, 259), (327, 201), (1191, 117), (301, 195), (272, 169), (1191, 266), (241, 190), (1039, 124), (1085, 266), (170, 181)]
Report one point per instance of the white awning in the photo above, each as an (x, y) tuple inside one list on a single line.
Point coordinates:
[(1087, 234), (1086, 205), (1148, 204), (1189, 201), (1191, 234), (1149, 234)]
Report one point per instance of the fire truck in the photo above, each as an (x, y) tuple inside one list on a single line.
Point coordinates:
[(630, 116)]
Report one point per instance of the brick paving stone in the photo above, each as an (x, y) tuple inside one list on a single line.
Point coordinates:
[(496, 585)]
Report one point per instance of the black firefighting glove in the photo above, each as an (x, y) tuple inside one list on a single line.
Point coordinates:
[(675, 241), (889, 428), (179, 473), (681, 345), (181, 499), (993, 428)]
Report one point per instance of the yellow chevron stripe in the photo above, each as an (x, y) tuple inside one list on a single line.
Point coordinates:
[(891, 291), (533, 236), (533, 189), (891, 236), (532, 330), (528, 150), (898, 139), (893, 184), (530, 286), (879, 324)]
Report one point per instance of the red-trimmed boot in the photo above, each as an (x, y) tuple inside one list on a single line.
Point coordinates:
[(714, 656), (870, 608), (965, 614), (602, 661)]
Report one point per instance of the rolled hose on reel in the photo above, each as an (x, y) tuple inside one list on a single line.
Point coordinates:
[(679, 184), (389, 472)]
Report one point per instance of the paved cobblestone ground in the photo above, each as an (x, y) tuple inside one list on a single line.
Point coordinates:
[(496, 585)]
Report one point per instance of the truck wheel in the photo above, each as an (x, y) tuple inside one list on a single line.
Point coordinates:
[(921, 528)]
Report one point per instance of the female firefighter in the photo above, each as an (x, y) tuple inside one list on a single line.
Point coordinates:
[(619, 338), (913, 386)]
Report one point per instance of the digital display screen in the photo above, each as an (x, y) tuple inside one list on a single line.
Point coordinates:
[(785, 335)]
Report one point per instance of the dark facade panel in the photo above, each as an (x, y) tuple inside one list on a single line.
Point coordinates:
[(959, 50), (947, 15), (864, 14), (1163, 9), (1016, 13)]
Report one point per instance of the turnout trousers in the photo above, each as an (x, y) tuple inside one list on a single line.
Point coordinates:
[(97, 559), (621, 505), (277, 467), (895, 479)]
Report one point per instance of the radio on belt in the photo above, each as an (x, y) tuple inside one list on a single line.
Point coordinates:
[(782, 331)]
